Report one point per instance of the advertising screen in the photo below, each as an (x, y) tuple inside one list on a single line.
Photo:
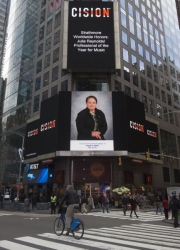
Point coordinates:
[(91, 36), (91, 121), (43, 175)]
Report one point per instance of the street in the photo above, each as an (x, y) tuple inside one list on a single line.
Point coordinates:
[(113, 231)]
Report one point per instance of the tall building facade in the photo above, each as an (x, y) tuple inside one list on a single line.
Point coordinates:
[(149, 72)]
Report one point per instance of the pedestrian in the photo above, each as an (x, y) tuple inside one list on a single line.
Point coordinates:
[(90, 203), (72, 200), (53, 203), (158, 204), (1, 201), (26, 205), (125, 202), (175, 208), (166, 207), (105, 203), (170, 202), (15, 204), (34, 201), (133, 203), (83, 205)]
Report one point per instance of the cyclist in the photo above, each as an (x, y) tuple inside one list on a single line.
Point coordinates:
[(71, 198)]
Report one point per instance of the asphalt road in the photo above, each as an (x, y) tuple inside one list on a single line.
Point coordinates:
[(30, 231)]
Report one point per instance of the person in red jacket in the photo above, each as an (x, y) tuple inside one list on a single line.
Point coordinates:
[(166, 207)]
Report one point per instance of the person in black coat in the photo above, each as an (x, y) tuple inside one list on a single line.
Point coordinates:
[(133, 203), (91, 122), (175, 208)]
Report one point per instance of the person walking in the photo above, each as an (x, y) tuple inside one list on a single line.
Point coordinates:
[(133, 203), (105, 203), (26, 205), (158, 204), (166, 207), (1, 201), (72, 200), (90, 203), (34, 201), (83, 205), (125, 202), (53, 203), (15, 204), (175, 208)]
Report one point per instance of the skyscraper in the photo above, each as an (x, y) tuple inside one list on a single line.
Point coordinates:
[(149, 69)]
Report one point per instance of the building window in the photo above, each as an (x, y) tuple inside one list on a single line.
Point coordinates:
[(133, 44), (123, 4), (46, 79), (169, 100), (147, 55), (176, 176), (57, 37), (39, 66), (146, 40), (160, 66), (131, 25), (137, 3), (143, 8), (117, 86), (124, 37), (125, 55), (165, 70), (154, 61), (167, 84), (139, 35), (165, 114), (166, 175), (136, 95), (56, 55), (150, 88), (43, 3), (54, 90), (143, 84), (141, 66), (144, 23), (140, 50), (157, 93), (40, 49), (158, 110), (123, 20), (48, 43), (149, 72), (49, 27), (47, 61), (163, 96), (42, 17), (138, 20), (55, 73), (130, 9), (144, 100), (126, 74), (127, 90), (45, 95), (57, 20), (41, 33), (38, 83), (152, 43), (151, 106), (36, 103), (135, 78), (134, 61), (64, 85), (155, 75)]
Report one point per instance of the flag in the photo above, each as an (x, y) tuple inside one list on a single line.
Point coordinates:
[(51, 6), (58, 4)]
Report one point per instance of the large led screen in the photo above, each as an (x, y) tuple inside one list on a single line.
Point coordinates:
[(43, 175), (91, 36), (91, 121)]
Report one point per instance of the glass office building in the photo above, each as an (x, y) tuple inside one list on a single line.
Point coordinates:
[(150, 73)]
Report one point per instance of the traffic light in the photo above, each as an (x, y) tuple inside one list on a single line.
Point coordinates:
[(147, 156), (120, 161)]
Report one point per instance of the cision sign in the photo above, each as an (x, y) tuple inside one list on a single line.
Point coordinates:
[(91, 36)]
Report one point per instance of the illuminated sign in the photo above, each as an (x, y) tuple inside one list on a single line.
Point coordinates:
[(136, 126), (48, 125), (33, 132), (90, 12), (151, 133)]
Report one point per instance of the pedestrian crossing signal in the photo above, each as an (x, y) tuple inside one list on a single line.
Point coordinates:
[(120, 161), (147, 156)]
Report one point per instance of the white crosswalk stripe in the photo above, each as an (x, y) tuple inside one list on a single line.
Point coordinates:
[(143, 216), (4, 214), (127, 237)]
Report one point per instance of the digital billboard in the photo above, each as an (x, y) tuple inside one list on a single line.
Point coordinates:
[(44, 175), (91, 36), (91, 121)]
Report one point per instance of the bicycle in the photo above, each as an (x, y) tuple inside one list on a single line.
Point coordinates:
[(77, 225)]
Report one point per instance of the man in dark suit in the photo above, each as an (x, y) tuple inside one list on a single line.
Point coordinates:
[(91, 122)]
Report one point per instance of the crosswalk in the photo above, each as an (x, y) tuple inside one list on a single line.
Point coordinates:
[(2, 214), (127, 237), (143, 216)]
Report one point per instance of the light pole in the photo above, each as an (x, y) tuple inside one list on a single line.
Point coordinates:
[(21, 158)]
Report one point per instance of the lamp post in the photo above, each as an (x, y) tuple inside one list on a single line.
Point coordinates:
[(21, 158)]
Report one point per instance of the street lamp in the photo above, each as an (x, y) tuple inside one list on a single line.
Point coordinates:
[(21, 157)]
